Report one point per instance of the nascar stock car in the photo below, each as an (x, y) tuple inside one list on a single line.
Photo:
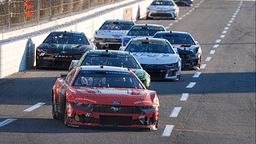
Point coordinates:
[(104, 96), (111, 32), (113, 58), (156, 56), (60, 48), (184, 2), (189, 50), (162, 9), (142, 30)]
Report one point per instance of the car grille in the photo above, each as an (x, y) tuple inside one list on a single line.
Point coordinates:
[(112, 40), (156, 73), (184, 56), (162, 15), (116, 109), (119, 120)]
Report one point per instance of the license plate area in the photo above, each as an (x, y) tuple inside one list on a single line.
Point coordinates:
[(118, 120)]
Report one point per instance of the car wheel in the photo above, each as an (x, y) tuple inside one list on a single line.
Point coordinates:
[(154, 128), (55, 114), (65, 116)]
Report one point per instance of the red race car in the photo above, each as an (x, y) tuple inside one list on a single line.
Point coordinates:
[(104, 96)]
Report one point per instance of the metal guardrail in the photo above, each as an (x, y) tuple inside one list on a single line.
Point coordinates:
[(13, 13)]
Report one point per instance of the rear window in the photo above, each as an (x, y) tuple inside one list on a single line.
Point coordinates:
[(177, 38), (116, 25), (66, 38), (107, 79)]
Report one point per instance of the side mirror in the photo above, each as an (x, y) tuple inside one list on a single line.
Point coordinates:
[(72, 64), (122, 48), (196, 42)]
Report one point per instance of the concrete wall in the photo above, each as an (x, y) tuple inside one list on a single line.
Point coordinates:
[(17, 48)]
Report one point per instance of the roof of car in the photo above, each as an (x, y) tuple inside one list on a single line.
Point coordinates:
[(120, 20), (67, 32), (147, 25), (104, 68), (109, 52), (149, 39), (172, 32)]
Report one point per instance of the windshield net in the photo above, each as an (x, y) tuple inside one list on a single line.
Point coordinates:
[(126, 61), (150, 46), (62, 38), (169, 3), (107, 79)]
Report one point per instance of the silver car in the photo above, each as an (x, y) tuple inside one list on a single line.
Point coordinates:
[(163, 9), (111, 32)]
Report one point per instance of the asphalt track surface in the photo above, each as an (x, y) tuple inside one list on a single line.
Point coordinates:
[(213, 105)]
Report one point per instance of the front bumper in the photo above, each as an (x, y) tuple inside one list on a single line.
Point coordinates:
[(104, 117), (190, 61), (112, 43), (163, 72), (162, 14)]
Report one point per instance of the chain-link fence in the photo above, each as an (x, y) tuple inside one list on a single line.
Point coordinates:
[(13, 13)]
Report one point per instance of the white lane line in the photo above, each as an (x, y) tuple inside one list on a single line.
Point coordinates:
[(218, 41), (230, 21), (224, 32), (216, 46), (203, 66), (187, 13), (226, 28), (167, 27), (222, 36), (183, 15), (234, 16), (170, 24), (168, 130), (208, 58), (191, 85), (184, 96), (175, 112), (180, 18), (196, 75), (212, 51), (7, 121), (176, 20), (228, 24), (34, 107), (190, 11)]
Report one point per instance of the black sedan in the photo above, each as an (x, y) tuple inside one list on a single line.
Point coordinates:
[(60, 48)]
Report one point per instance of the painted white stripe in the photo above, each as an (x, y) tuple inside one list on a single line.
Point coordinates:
[(196, 6), (190, 11), (228, 24), (170, 24), (183, 15), (222, 36), (208, 58), (184, 96), (216, 46), (226, 28), (212, 51), (234, 16), (167, 27), (203, 66), (230, 21), (34, 107), (180, 18), (187, 13), (7, 121), (191, 85), (196, 75), (175, 112), (168, 130), (193, 9), (218, 41), (176, 20), (224, 32)]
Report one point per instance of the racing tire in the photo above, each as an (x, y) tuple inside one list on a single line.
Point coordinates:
[(154, 128), (65, 116), (55, 114)]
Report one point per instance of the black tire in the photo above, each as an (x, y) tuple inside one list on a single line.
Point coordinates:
[(55, 114), (65, 116)]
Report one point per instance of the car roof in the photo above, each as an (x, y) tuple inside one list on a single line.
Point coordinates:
[(66, 32), (109, 52), (147, 25), (149, 39), (103, 68), (172, 32), (119, 20)]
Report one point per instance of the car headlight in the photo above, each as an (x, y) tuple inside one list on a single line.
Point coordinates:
[(148, 107), (79, 104)]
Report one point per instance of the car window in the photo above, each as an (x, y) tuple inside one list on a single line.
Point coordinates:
[(177, 39), (66, 38), (116, 26), (150, 47), (118, 60), (157, 3), (144, 31), (107, 79)]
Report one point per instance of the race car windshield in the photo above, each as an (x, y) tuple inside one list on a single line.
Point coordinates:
[(116, 26), (144, 31), (150, 47), (107, 79), (157, 3), (66, 38), (111, 60), (180, 39)]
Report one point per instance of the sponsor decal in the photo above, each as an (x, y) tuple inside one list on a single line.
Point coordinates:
[(115, 109)]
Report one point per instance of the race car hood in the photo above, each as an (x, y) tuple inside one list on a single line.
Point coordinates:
[(64, 48), (110, 96), (185, 49), (156, 58), (162, 8), (110, 33)]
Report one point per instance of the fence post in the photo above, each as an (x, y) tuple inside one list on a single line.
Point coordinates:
[(7, 17)]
